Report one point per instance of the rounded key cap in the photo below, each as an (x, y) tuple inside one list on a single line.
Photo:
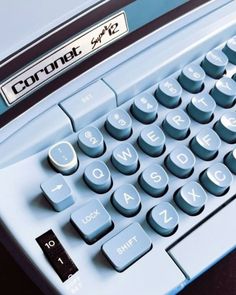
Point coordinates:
[(57, 192), (217, 179), (63, 158), (181, 162), (191, 198), (126, 200), (230, 161), (92, 221), (152, 140), (98, 177), (91, 141), (215, 63), (154, 180), (234, 77), (226, 127), (224, 92), (230, 50), (119, 124), (202, 107), (192, 78), (169, 93), (177, 124), (206, 144), (125, 158), (163, 218), (144, 108)]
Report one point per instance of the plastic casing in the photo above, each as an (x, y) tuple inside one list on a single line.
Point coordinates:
[(25, 214)]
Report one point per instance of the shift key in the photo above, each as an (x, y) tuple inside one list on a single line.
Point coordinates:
[(127, 247)]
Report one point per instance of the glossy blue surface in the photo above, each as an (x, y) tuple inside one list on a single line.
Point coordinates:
[(126, 199), (191, 198), (98, 176), (92, 220), (169, 93), (206, 144), (127, 246), (145, 108), (163, 218), (224, 92), (91, 141), (57, 192), (125, 158)]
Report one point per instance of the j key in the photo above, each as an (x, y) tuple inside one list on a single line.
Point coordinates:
[(126, 200), (230, 161), (125, 158), (181, 162), (98, 177), (119, 124), (206, 144), (163, 218), (230, 50), (57, 192), (154, 180), (191, 198), (144, 108), (92, 221), (152, 140), (177, 124), (91, 141), (226, 127), (202, 107), (169, 93), (63, 158), (192, 78), (217, 179), (127, 247), (215, 63), (224, 92)]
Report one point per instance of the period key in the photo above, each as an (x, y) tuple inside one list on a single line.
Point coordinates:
[(57, 255)]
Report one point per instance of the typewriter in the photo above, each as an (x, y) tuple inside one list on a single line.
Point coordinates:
[(117, 142)]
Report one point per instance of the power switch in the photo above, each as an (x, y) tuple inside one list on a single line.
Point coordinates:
[(57, 255)]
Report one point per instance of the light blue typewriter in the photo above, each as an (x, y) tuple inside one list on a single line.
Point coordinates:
[(117, 142)]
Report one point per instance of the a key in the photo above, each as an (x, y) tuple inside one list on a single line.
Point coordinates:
[(125, 158), (163, 218), (119, 124), (169, 93), (144, 108), (217, 179), (127, 247), (98, 177), (224, 92), (192, 78), (177, 124), (57, 192), (191, 198), (91, 141), (226, 127), (181, 162), (202, 107), (206, 144), (152, 140), (154, 180), (126, 200), (215, 63), (63, 158), (92, 221)]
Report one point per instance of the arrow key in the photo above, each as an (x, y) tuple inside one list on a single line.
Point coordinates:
[(57, 192)]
